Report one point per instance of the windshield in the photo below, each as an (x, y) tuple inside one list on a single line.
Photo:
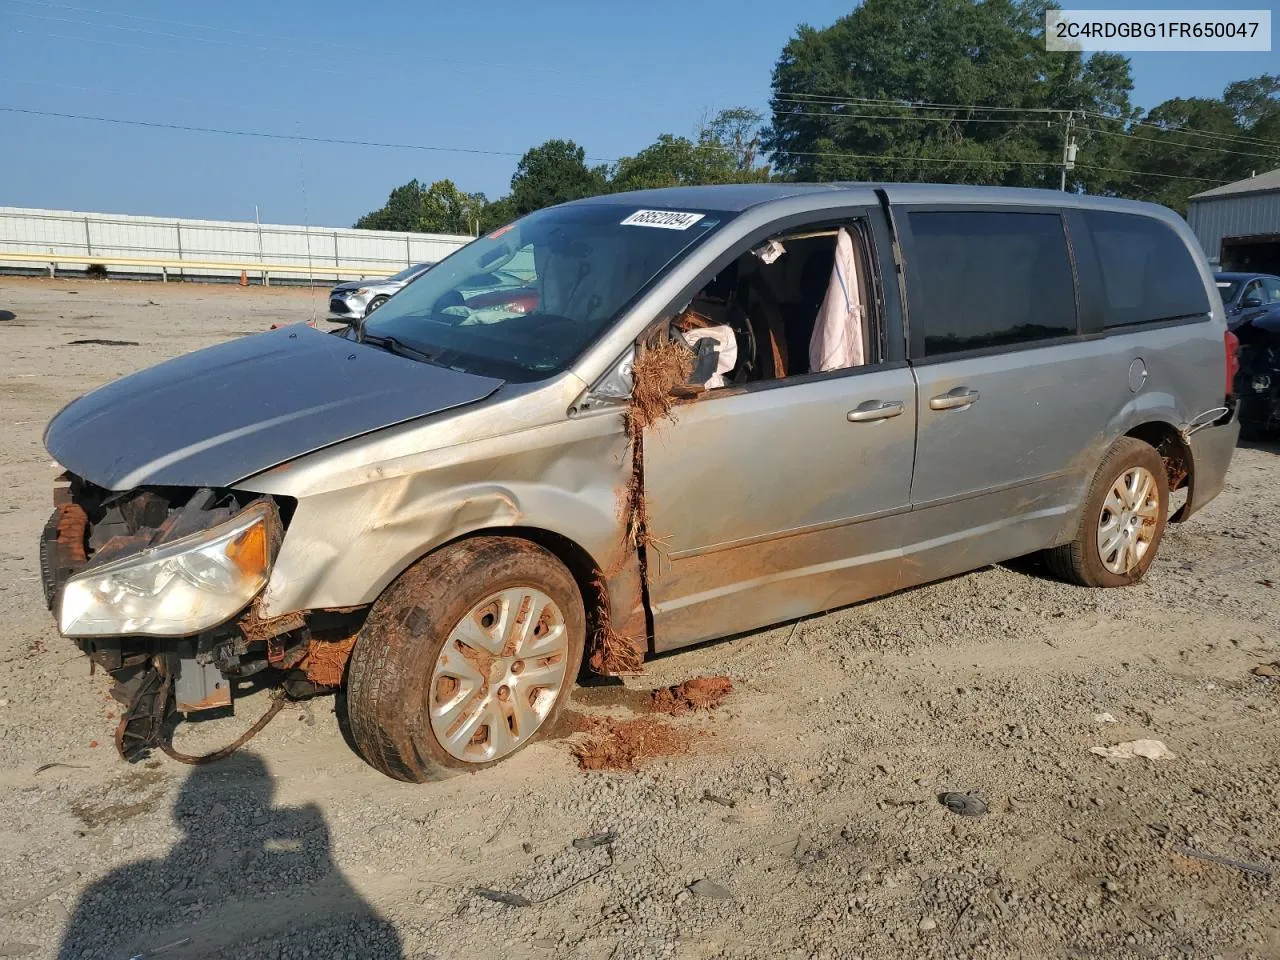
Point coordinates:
[(408, 273), (1228, 289), (523, 302)]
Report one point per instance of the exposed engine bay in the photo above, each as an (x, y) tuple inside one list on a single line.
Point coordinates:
[(159, 677)]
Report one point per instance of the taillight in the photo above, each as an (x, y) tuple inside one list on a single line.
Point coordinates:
[(1231, 343)]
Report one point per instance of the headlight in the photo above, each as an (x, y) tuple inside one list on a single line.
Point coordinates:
[(363, 292), (178, 588)]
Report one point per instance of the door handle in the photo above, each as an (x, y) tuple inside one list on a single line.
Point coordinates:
[(876, 410), (956, 399)]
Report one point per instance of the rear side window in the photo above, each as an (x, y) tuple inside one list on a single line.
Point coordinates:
[(1148, 274), (982, 279)]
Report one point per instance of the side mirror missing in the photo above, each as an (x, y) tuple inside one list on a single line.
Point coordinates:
[(611, 389), (618, 383)]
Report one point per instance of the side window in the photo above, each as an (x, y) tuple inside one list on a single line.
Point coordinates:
[(1148, 274), (1253, 292), (1272, 287), (984, 279), (801, 302)]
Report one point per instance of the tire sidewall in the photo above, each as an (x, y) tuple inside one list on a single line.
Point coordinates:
[(374, 304), (1130, 455)]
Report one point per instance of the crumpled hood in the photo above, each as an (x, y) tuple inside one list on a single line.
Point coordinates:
[(216, 416)]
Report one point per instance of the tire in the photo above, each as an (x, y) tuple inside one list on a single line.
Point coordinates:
[(1081, 561), (404, 670), (1251, 431), (374, 304)]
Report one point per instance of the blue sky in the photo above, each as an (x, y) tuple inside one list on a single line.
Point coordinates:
[(498, 76)]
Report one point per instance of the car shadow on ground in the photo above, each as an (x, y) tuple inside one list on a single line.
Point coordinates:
[(1266, 444), (247, 878)]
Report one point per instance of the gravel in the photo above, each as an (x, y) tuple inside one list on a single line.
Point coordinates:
[(807, 806)]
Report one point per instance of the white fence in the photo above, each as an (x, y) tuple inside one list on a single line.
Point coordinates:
[(222, 248)]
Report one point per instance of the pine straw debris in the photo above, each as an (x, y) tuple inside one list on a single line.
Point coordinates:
[(658, 369), (700, 693), (612, 654)]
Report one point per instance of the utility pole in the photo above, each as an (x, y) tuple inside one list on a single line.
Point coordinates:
[(1068, 152)]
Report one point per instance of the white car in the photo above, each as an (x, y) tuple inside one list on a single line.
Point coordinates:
[(359, 298)]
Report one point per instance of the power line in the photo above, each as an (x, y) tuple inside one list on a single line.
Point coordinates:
[(818, 99), (825, 99), (1143, 173), (1108, 133), (880, 116), (106, 91), (1004, 163), (273, 136), (508, 153), (880, 157), (1245, 141), (1183, 146)]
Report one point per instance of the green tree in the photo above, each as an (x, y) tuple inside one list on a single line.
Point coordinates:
[(446, 209), (736, 131), (1256, 105), (402, 210), (1186, 145), (497, 214), (552, 173), (1161, 155), (724, 152), (439, 208), (840, 94)]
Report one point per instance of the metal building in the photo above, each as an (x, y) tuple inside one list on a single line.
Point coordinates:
[(1239, 224)]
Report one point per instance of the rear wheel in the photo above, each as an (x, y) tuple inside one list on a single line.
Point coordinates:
[(1123, 520), (465, 659)]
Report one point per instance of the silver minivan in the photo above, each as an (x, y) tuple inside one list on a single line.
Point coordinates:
[(715, 409)]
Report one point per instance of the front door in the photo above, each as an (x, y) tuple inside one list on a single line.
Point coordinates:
[(777, 500)]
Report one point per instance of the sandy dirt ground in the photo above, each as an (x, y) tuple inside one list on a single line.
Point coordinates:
[(802, 821)]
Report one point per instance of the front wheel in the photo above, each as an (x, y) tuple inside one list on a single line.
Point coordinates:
[(1123, 520), (465, 659), (374, 304)]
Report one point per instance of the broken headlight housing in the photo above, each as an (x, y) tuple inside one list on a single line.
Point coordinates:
[(178, 588)]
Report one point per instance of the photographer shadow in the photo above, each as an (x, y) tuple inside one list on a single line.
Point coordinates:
[(246, 876)]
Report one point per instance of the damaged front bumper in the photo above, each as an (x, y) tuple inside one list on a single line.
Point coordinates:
[(165, 562)]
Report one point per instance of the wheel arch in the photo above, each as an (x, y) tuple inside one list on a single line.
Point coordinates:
[(587, 573), (1179, 464)]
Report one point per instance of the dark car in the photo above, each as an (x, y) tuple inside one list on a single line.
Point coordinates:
[(1252, 302), (1247, 295)]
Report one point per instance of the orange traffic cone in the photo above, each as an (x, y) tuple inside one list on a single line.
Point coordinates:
[(244, 279)]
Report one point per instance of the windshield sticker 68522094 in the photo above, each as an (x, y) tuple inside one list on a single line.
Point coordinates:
[(664, 219)]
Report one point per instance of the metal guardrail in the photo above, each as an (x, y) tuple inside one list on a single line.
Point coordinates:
[(246, 267)]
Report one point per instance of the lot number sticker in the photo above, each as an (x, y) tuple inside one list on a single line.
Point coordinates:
[(664, 219)]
